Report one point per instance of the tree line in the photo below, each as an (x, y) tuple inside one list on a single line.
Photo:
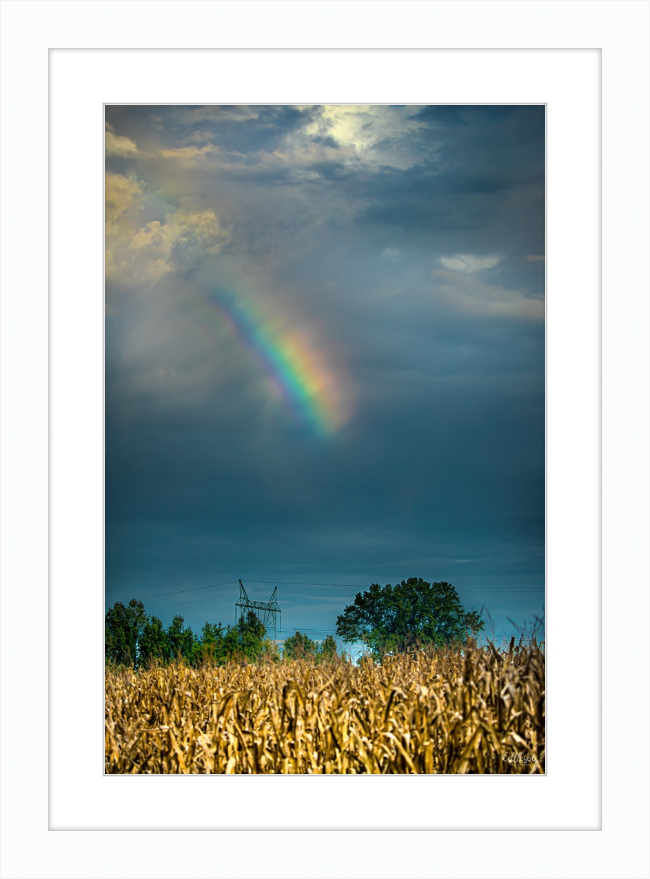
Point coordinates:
[(389, 619), (134, 638)]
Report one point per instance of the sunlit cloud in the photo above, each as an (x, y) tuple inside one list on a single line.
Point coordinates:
[(378, 135), (119, 146), (188, 153), (465, 262), (471, 296), (122, 196), (137, 252)]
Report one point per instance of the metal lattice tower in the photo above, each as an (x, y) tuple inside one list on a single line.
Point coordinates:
[(265, 611)]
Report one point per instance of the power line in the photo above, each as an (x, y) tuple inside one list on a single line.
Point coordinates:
[(178, 603), (358, 586), (193, 589), (295, 626), (229, 583), (282, 583), (482, 590), (461, 589), (299, 584), (287, 633)]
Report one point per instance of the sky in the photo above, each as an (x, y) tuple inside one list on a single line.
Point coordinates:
[(324, 357)]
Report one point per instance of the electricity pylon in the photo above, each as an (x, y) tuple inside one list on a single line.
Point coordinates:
[(265, 611)]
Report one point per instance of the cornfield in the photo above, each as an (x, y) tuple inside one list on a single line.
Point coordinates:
[(469, 710)]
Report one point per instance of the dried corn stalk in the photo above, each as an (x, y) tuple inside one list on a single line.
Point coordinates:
[(475, 710)]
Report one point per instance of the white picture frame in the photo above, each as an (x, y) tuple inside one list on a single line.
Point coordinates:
[(80, 55)]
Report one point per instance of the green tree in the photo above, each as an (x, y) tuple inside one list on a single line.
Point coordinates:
[(180, 640), (211, 633), (270, 651), (230, 648), (394, 618), (133, 638), (326, 650), (209, 647), (251, 634), (123, 626), (153, 645), (300, 646)]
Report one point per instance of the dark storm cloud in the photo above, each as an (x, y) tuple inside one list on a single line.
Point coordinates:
[(411, 241)]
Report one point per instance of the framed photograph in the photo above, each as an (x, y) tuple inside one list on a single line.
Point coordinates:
[(327, 113), (322, 373)]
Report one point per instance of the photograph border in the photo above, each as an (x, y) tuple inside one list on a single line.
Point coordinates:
[(620, 30), (569, 795)]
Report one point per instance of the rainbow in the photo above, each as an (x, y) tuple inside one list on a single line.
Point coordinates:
[(306, 386)]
